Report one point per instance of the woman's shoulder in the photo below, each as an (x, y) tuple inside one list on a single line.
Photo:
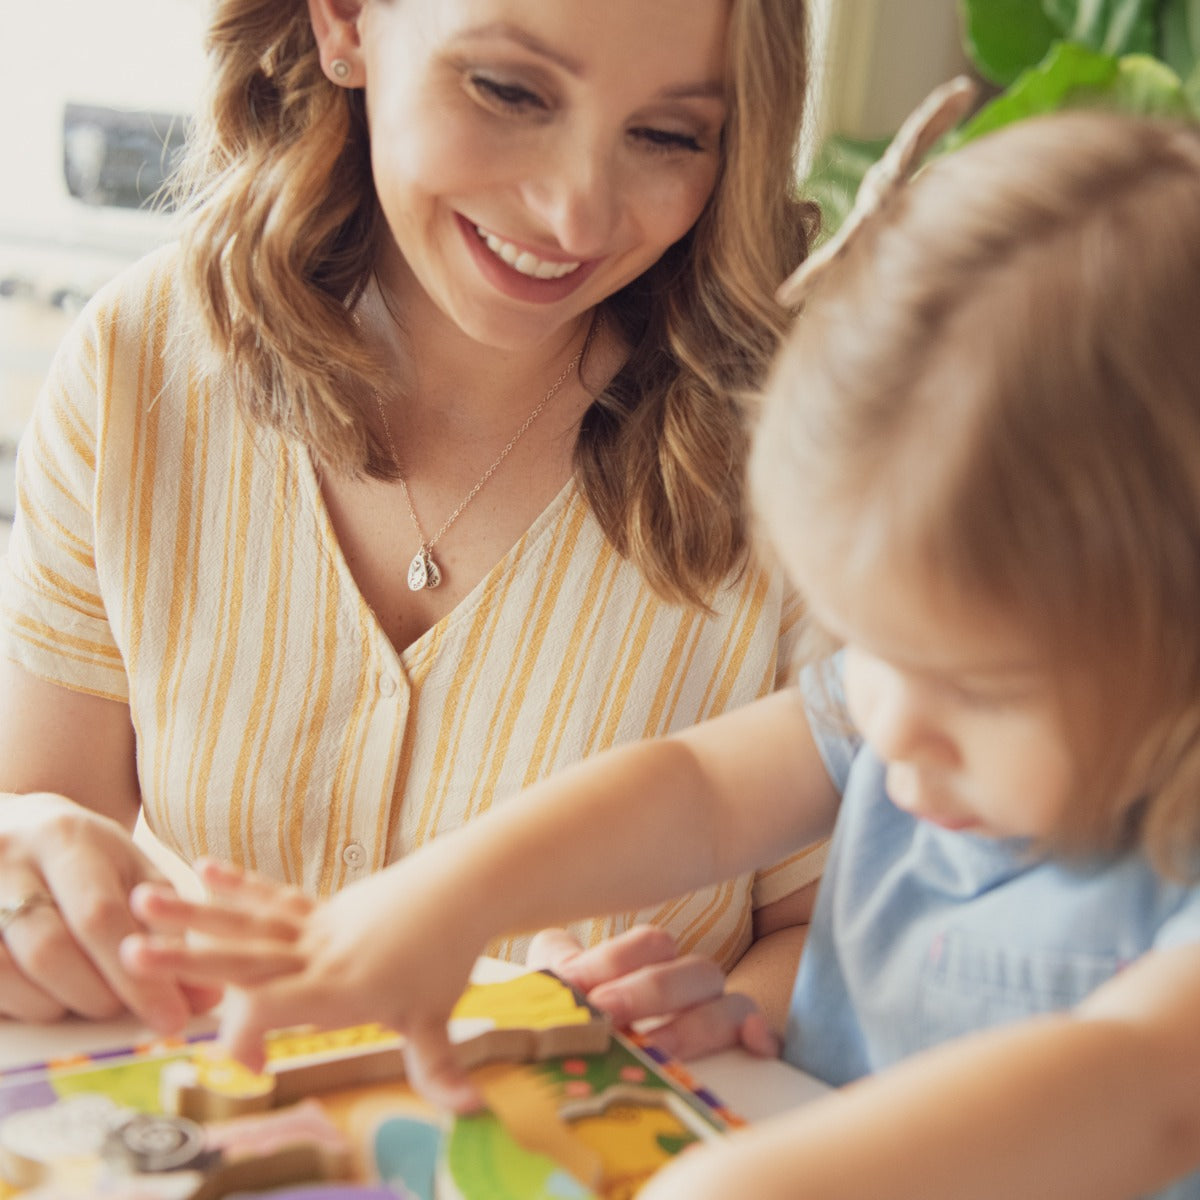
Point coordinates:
[(153, 280), (130, 351)]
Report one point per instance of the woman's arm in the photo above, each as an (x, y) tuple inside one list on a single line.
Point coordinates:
[(1098, 1104), (767, 971), (68, 802)]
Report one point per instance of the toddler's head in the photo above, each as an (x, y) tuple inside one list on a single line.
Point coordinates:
[(989, 413)]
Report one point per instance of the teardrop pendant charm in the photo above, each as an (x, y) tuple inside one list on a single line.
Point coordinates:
[(418, 573), (423, 572)]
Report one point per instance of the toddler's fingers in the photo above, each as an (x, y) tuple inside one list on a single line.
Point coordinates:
[(228, 882), (243, 963), (244, 1027), (434, 1071), (165, 911), (201, 998)]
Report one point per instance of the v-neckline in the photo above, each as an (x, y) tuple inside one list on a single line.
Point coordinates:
[(464, 609)]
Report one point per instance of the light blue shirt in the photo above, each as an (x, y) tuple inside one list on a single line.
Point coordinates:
[(921, 934)]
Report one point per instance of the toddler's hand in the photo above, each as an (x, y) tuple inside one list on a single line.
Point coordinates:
[(365, 955)]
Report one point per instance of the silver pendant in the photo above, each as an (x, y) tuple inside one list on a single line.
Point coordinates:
[(423, 572)]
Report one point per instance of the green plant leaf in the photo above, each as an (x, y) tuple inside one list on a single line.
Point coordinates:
[(1005, 37), (1109, 26), (1071, 76), (1065, 70), (837, 172), (1191, 88), (1179, 35), (1146, 85)]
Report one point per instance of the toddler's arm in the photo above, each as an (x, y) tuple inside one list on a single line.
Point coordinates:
[(1098, 1104), (627, 828)]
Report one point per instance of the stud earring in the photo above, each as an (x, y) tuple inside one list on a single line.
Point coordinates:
[(339, 68)]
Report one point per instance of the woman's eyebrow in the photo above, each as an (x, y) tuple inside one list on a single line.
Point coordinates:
[(708, 89), (515, 33)]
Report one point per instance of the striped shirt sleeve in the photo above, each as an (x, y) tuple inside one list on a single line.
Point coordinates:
[(53, 620)]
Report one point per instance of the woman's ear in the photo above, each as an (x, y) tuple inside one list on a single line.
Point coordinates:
[(335, 25)]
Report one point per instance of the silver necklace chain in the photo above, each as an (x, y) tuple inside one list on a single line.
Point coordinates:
[(423, 571)]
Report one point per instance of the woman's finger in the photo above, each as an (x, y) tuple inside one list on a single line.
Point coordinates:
[(43, 951), (91, 895), (723, 1023), (23, 1000), (659, 990), (550, 948), (636, 948)]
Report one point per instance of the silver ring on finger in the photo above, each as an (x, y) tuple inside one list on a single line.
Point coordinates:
[(11, 910)]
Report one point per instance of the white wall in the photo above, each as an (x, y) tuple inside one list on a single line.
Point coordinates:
[(138, 54), (881, 58)]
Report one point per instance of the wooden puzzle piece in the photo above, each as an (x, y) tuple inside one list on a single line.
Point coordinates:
[(523, 1019)]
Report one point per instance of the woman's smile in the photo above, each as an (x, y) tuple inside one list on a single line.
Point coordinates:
[(517, 273), (525, 262)]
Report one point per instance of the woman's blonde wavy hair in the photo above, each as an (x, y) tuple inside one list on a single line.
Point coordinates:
[(280, 236), (993, 397)]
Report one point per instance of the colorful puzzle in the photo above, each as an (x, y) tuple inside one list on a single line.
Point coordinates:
[(573, 1111)]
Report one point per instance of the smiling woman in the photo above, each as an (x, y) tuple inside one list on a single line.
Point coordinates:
[(489, 274)]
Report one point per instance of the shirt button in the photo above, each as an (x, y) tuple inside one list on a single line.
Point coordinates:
[(354, 856), (387, 685)]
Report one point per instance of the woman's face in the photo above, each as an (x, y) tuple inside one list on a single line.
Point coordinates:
[(533, 157)]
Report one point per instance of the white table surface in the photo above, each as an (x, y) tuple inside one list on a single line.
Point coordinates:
[(751, 1087)]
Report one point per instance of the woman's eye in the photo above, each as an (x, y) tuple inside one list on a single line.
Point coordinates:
[(667, 140), (509, 96)]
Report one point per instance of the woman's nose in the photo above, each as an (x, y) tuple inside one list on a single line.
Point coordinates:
[(575, 193)]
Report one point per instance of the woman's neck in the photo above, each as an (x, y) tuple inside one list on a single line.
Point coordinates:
[(448, 379)]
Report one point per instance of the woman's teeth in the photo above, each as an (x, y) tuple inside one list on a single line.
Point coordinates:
[(524, 262)]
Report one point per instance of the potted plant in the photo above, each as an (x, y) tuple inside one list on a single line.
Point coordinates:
[(1036, 56)]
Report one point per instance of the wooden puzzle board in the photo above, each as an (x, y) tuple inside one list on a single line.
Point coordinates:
[(333, 1116)]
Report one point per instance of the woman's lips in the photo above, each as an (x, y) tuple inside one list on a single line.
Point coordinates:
[(529, 277)]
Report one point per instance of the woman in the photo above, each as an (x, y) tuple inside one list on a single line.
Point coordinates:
[(413, 472)]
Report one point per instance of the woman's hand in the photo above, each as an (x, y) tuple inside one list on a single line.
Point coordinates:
[(65, 877), (376, 951), (639, 978)]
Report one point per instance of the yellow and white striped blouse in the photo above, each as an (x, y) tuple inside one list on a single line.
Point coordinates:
[(169, 556)]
